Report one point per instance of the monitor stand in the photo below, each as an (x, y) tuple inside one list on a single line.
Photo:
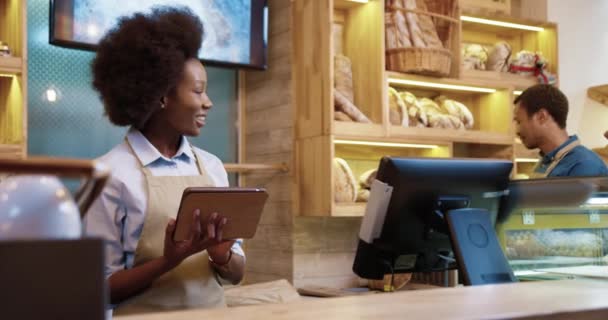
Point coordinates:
[(478, 254)]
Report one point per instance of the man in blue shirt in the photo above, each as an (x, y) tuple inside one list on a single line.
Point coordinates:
[(540, 115)]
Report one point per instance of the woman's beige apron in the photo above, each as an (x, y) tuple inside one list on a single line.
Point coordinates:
[(193, 283), (558, 157)]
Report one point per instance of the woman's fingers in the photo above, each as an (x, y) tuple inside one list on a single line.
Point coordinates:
[(220, 228), (211, 226), (195, 228)]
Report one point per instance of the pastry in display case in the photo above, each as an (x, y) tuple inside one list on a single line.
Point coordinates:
[(560, 230)]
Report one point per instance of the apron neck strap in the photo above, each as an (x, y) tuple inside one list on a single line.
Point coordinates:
[(146, 170)]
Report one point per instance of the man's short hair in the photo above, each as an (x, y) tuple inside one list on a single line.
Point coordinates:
[(548, 97)]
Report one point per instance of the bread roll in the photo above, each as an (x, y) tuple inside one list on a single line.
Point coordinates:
[(345, 187), (341, 116), (343, 76), (341, 103), (429, 32), (498, 59), (398, 115)]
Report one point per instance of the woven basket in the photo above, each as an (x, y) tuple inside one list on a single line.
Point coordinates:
[(427, 61)]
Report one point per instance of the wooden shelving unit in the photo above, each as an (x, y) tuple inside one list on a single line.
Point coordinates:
[(13, 80), (340, 26)]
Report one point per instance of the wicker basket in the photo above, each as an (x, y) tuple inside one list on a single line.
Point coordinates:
[(427, 61)]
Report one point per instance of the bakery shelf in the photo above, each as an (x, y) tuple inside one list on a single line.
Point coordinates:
[(10, 66), (349, 209), (346, 129), (442, 84), (451, 135), (499, 79)]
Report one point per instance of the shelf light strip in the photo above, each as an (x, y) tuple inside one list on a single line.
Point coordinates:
[(532, 160), (440, 85), (517, 92), (6, 75), (501, 23), (359, 1), (385, 144)]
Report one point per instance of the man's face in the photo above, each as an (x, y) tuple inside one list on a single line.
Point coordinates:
[(529, 128)]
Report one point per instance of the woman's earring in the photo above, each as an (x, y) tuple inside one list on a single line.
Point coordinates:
[(162, 105)]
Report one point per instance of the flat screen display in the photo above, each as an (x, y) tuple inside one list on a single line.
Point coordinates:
[(235, 31)]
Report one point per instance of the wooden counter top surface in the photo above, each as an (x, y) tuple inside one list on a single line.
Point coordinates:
[(542, 299)]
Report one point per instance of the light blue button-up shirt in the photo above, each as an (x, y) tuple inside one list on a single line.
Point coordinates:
[(118, 214)]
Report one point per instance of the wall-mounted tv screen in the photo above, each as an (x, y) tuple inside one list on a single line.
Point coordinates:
[(235, 31)]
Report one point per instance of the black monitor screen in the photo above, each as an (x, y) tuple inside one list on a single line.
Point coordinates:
[(235, 31), (414, 236)]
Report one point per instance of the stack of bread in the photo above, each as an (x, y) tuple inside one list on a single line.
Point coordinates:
[(408, 29), (344, 107), (346, 187), (407, 110)]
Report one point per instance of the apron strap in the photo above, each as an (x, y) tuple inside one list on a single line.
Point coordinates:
[(148, 173), (559, 156)]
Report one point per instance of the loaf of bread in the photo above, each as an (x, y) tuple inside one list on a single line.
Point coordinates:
[(413, 24), (498, 59), (417, 116), (429, 32), (363, 195), (367, 177), (398, 114), (345, 187), (341, 116), (402, 29), (342, 104), (390, 32), (343, 76), (457, 109)]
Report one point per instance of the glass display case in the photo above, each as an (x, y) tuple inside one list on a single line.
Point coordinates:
[(556, 228)]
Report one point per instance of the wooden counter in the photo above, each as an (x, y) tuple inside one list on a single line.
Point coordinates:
[(543, 299)]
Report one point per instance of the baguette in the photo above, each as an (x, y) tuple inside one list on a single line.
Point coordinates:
[(341, 116), (342, 104), (429, 32), (413, 24)]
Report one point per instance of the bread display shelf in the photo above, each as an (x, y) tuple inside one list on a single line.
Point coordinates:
[(346, 129), (354, 209), (341, 27), (10, 65), (499, 79), (451, 135)]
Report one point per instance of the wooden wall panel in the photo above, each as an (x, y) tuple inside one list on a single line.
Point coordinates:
[(267, 135)]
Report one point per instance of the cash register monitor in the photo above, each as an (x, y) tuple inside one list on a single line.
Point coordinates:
[(440, 216)]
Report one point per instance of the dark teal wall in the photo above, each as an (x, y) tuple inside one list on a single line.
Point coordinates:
[(74, 126)]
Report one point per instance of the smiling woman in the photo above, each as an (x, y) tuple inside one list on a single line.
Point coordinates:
[(149, 78)]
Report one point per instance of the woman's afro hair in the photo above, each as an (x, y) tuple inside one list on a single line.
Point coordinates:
[(141, 60)]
